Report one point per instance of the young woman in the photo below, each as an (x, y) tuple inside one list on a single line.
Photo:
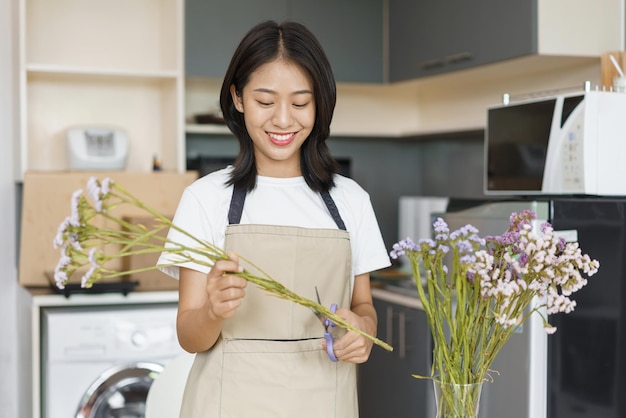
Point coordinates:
[(282, 207)]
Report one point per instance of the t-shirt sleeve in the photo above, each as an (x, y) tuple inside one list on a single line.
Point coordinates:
[(370, 251), (198, 221), (368, 248)]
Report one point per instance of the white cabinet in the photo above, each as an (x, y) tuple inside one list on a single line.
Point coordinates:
[(101, 62)]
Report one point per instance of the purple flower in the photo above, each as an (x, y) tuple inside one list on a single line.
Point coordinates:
[(440, 226), (506, 239), (523, 259), (401, 247), (467, 259), (511, 268), (518, 220), (464, 247), (443, 249)]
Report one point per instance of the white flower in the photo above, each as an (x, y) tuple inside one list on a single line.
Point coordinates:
[(549, 329), (75, 216), (59, 237)]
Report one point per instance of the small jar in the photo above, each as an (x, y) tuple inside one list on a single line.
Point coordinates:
[(619, 84)]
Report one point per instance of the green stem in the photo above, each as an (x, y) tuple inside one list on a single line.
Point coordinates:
[(132, 236)]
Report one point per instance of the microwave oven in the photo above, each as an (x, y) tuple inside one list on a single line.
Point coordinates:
[(564, 144)]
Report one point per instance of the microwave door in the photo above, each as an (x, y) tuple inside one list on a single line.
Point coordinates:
[(565, 155)]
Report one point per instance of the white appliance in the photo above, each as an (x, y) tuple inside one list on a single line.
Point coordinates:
[(415, 218), (99, 361), (97, 148), (570, 143)]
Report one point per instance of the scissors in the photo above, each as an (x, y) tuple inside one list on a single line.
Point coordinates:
[(330, 340)]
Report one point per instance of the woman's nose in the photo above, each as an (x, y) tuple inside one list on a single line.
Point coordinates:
[(283, 116)]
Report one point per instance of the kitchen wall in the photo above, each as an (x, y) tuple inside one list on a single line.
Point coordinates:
[(15, 328), (448, 165), (436, 165)]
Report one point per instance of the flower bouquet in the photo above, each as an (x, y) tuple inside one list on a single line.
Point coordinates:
[(87, 246), (477, 291)]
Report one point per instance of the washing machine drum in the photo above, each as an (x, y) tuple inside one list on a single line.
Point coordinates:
[(120, 392)]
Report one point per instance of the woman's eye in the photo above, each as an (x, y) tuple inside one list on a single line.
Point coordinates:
[(264, 103), (300, 105)]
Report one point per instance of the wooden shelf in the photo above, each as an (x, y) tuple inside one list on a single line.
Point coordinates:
[(103, 33), (102, 63), (43, 70), (207, 129)]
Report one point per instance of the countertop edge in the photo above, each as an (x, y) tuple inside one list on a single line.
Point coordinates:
[(106, 298), (400, 299)]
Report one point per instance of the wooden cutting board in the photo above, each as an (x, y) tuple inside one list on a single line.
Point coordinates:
[(608, 70), (46, 203)]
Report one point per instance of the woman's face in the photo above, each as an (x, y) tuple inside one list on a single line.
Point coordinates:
[(279, 111)]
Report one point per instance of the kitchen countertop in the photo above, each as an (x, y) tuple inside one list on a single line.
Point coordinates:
[(395, 285), (407, 299)]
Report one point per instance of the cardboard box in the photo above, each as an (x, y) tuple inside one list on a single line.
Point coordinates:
[(47, 202), (148, 280)]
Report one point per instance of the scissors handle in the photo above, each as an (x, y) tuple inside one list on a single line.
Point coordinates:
[(330, 341), (328, 322), (329, 346)]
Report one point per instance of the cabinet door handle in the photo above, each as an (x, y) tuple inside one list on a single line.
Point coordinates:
[(430, 64), (460, 57), (389, 335), (402, 334)]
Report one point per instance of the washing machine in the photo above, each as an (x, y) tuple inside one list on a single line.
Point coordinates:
[(99, 361)]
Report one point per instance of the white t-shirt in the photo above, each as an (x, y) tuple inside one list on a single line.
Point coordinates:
[(204, 205)]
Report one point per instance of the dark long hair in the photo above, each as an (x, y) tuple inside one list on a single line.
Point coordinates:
[(294, 43)]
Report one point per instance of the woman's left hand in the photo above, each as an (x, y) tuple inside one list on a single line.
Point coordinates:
[(353, 347)]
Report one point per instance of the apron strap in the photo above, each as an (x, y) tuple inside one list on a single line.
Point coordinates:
[(239, 197), (236, 205), (332, 208)]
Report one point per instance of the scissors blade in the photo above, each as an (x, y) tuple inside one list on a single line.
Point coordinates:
[(318, 314), (330, 340), (317, 293)]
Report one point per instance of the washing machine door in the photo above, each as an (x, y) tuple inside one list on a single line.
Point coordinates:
[(120, 392)]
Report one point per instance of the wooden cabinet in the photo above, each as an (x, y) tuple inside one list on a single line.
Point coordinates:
[(351, 32), (428, 38), (102, 62), (213, 29), (386, 385)]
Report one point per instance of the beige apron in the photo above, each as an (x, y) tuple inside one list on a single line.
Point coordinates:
[(268, 361)]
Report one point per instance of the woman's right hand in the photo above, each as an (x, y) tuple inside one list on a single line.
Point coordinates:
[(224, 290), (205, 300)]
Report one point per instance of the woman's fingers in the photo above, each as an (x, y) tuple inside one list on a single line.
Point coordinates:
[(225, 290)]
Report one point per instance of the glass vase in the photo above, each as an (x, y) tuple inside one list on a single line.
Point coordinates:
[(457, 400)]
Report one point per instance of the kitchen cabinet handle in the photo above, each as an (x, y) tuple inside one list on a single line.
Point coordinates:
[(432, 64), (460, 57), (389, 333), (402, 334)]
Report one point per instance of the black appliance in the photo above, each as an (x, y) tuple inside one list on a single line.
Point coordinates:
[(587, 354)]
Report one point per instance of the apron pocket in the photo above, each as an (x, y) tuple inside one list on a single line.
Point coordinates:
[(276, 379)]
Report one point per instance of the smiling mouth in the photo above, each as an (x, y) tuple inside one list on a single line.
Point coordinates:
[(282, 139)]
